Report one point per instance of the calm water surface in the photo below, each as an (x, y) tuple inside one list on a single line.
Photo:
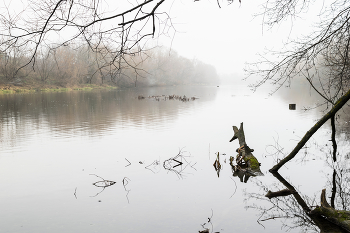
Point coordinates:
[(54, 146)]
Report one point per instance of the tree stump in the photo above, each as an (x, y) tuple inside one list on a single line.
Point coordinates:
[(245, 160)]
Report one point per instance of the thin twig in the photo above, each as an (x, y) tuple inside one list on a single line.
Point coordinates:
[(128, 162)]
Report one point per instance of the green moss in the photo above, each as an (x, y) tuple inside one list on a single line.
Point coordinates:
[(340, 215), (343, 216), (254, 163)]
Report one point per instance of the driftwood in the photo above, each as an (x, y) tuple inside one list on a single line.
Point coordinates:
[(246, 161)]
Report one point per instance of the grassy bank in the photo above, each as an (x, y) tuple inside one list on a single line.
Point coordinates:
[(12, 89)]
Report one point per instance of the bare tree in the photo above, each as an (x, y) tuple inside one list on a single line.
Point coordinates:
[(117, 32), (322, 58), (45, 64), (326, 47), (10, 61)]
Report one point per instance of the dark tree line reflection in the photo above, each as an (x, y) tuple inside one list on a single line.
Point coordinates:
[(90, 113)]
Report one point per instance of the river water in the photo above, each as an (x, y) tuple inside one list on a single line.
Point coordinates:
[(55, 146)]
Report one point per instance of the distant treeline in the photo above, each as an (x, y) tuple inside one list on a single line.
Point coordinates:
[(66, 66)]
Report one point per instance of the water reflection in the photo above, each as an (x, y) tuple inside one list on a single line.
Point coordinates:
[(102, 184), (312, 214), (92, 113), (302, 211), (179, 164), (159, 153)]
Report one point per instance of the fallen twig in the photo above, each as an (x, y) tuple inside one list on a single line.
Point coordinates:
[(125, 183), (128, 162), (102, 184)]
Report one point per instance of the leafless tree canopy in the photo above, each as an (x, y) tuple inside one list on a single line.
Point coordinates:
[(322, 57), (110, 30)]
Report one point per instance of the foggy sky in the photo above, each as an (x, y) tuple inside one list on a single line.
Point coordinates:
[(229, 36)]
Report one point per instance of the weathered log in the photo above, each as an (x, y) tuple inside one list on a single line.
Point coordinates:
[(340, 218), (245, 155)]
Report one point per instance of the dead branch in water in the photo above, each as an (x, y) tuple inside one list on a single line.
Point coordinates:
[(153, 166), (128, 162), (217, 164), (125, 183), (102, 184), (177, 164)]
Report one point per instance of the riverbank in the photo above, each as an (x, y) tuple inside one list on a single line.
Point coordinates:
[(25, 88)]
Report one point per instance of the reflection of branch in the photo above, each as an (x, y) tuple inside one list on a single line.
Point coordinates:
[(235, 188), (217, 164), (321, 222), (180, 161), (102, 184), (299, 199), (125, 183), (206, 230), (128, 162), (334, 142), (98, 192), (274, 217), (277, 149), (286, 208), (154, 163), (334, 188), (75, 193)]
